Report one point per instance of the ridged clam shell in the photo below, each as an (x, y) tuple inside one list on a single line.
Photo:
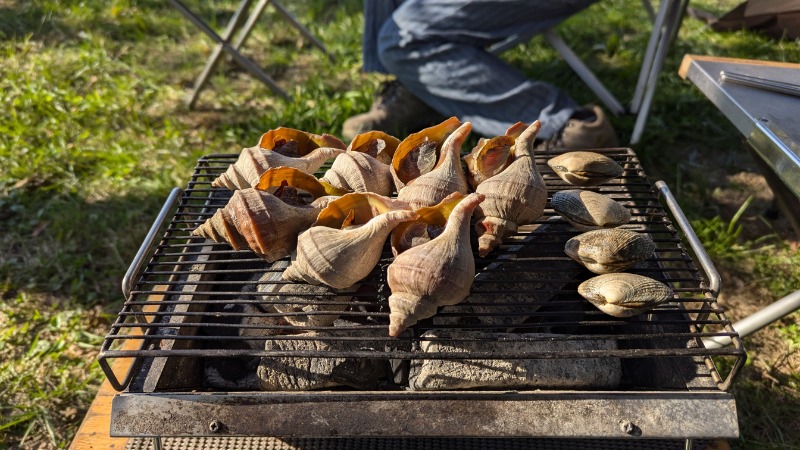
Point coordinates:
[(582, 168), (587, 210), (624, 294), (609, 250)]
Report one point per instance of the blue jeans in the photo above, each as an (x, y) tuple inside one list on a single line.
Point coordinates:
[(437, 50)]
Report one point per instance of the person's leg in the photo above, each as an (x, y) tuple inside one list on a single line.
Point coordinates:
[(376, 12), (436, 49)]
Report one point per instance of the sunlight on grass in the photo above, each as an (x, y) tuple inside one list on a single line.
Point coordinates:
[(95, 133)]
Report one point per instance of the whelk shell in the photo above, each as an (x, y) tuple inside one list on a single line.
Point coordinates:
[(377, 144), (278, 176), (587, 210), (431, 223), (447, 177), (609, 250), (359, 172), (492, 156), (437, 273), (582, 168), (297, 143), (359, 207), (342, 257), (259, 221), (516, 196), (624, 294), (253, 162), (418, 152)]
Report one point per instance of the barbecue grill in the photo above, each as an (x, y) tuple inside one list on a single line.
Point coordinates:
[(200, 326)]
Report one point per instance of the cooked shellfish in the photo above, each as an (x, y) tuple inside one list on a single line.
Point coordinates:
[(437, 273), (297, 143), (447, 177), (253, 162), (431, 223), (609, 250), (582, 168), (359, 172), (377, 144), (516, 196), (418, 153), (624, 294), (587, 210)]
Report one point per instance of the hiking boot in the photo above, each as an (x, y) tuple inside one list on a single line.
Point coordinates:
[(587, 128), (395, 111)]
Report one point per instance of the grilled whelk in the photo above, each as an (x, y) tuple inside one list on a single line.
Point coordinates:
[(437, 273), (624, 294), (445, 178), (587, 210), (514, 197), (582, 168), (609, 250)]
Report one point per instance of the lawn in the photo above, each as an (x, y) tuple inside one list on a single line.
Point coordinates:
[(94, 132)]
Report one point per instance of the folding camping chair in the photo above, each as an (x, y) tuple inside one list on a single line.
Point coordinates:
[(665, 27), (225, 44)]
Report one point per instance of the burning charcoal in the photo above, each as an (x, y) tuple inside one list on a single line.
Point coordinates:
[(504, 292), (297, 373), (556, 373)]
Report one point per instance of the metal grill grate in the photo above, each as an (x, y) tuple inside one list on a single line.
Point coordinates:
[(185, 311)]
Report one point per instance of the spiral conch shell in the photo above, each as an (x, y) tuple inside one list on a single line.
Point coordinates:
[(279, 176), (253, 162), (516, 196), (359, 172), (377, 144), (431, 223), (492, 156), (447, 177), (259, 221), (437, 273), (418, 153), (296, 143), (341, 257)]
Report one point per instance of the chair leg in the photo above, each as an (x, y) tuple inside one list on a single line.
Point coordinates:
[(672, 18), (238, 57), (212, 61), (300, 27), (584, 72), (251, 22)]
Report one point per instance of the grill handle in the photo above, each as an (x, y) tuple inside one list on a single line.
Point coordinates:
[(138, 260), (714, 280)]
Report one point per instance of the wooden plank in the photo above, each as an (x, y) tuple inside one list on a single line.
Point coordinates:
[(683, 71), (94, 432)]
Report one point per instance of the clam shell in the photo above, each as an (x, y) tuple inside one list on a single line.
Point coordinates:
[(582, 168), (609, 250), (624, 294), (587, 210)]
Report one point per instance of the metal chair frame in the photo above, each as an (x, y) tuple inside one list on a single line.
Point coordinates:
[(227, 44), (666, 23)]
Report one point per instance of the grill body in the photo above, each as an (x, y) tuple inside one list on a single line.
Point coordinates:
[(187, 301)]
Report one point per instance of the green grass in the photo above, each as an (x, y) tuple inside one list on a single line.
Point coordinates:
[(95, 132)]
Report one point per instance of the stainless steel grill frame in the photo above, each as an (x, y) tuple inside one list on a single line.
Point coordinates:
[(175, 290)]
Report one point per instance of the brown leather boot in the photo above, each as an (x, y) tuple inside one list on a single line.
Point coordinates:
[(596, 132), (395, 111)]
